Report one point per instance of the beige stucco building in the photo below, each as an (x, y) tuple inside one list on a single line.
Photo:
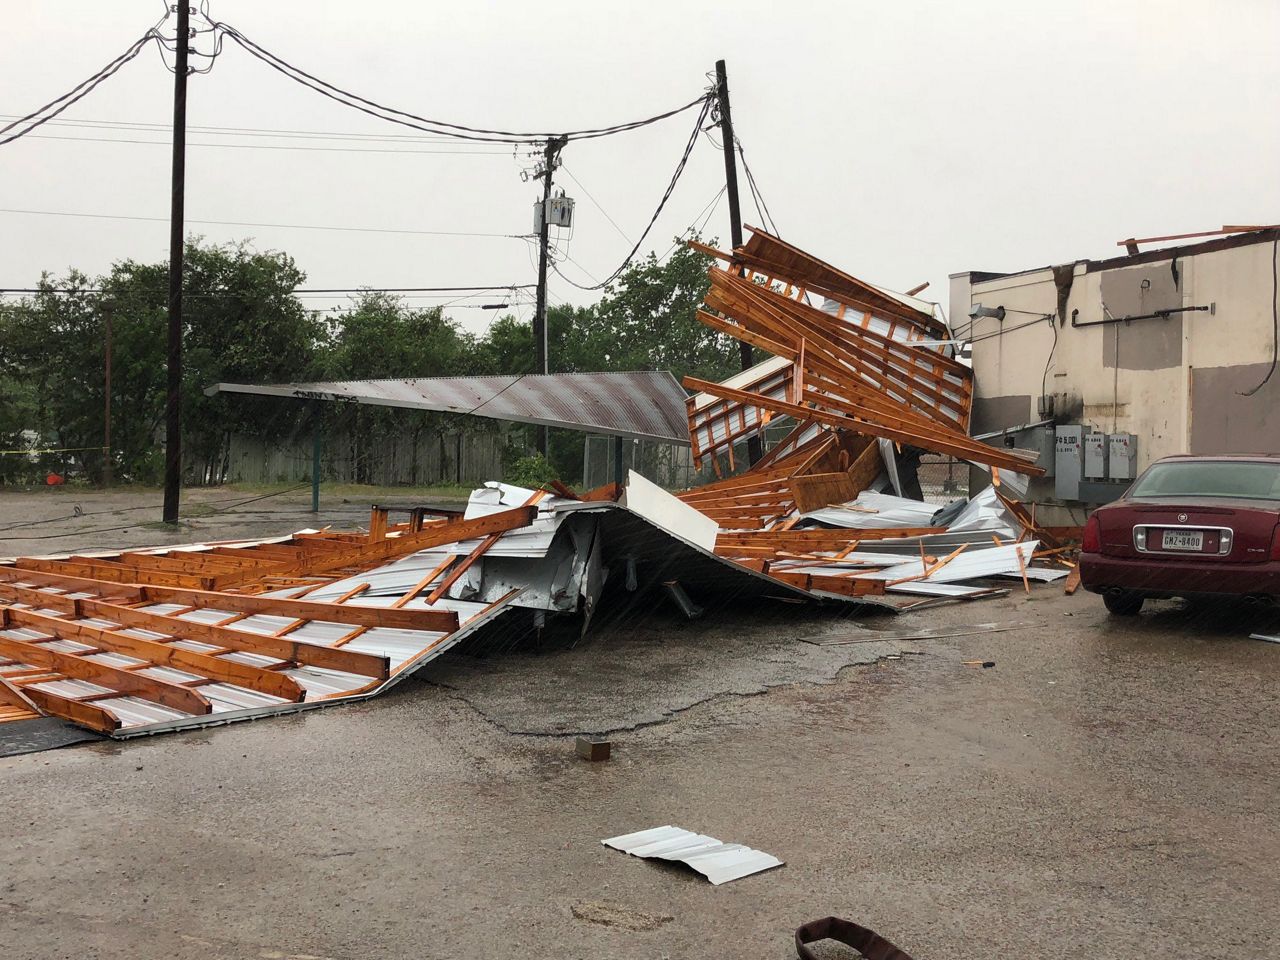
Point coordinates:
[(1162, 344)]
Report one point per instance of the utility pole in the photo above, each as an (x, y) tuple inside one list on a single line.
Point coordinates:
[(550, 154), (106, 394), (754, 450), (173, 407)]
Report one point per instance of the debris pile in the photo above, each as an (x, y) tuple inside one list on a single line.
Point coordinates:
[(141, 641), (865, 373)]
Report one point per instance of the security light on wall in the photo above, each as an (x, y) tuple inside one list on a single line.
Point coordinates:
[(978, 310)]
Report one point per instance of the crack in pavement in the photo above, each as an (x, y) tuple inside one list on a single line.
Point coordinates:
[(669, 714)]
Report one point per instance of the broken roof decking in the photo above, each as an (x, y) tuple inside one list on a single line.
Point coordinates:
[(151, 640), (845, 373), (140, 642), (643, 405), (765, 252)]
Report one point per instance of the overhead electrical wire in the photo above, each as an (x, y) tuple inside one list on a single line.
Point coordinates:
[(276, 146), (613, 222), (25, 125), (53, 108), (698, 224), (141, 126), (404, 118), (675, 178), (757, 197), (283, 226)]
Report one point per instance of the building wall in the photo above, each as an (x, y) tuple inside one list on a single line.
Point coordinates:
[(1174, 383)]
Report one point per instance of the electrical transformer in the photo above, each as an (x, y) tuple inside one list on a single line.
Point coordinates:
[(557, 210), (560, 211)]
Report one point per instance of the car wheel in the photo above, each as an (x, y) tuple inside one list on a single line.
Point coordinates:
[(1123, 604)]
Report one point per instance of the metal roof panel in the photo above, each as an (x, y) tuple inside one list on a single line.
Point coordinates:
[(643, 404)]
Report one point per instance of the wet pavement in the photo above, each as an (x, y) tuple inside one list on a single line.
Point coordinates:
[(1108, 789)]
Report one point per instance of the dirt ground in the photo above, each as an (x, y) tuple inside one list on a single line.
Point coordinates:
[(1108, 789)]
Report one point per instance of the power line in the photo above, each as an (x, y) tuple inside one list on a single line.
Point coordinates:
[(699, 222), (404, 118), (757, 197), (81, 90), (277, 146), (570, 175), (140, 126), (675, 178), (283, 226), (495, 286), (408, 293)]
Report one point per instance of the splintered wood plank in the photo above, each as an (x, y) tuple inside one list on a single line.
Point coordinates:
[(127, 682), (1073, 581), (377, 523), (164, 655)]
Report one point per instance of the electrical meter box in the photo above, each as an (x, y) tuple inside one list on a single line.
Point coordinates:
[(1122, 450), (1095, 456), (1068, 461), (560, 211)]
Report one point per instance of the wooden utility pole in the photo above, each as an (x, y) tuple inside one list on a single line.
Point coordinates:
[(106, 397), (754, 450), (550, 154), (173, 407)]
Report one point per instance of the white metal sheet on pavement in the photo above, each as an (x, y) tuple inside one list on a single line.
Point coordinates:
[(718, 862)]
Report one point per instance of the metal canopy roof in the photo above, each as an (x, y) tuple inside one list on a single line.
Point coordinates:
[(645, 405)]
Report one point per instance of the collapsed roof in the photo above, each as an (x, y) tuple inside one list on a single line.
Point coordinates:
[(642, 405)]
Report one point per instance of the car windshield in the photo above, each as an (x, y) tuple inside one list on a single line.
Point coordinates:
[(1236, 479)]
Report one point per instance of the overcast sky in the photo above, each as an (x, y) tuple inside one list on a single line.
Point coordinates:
[(901, 142)]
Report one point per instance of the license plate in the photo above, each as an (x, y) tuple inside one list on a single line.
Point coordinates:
[(1191, 540)]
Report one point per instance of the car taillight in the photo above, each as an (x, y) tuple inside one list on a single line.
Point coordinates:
[(1275, 544), (1092, 539)]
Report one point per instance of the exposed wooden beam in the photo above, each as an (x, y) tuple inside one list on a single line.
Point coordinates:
[(444, 621), (372, 554), (127, 682), (164, 655), (347, 661), (89, 715)]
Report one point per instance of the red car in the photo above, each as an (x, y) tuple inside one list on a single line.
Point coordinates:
[(1189, 527)]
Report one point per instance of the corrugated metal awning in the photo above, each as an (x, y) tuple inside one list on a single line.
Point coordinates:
[(645, 404)]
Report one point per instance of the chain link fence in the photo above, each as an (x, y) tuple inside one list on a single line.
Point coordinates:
[(943, 479)]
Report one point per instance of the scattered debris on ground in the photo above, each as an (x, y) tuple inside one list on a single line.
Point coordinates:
[(718, 862), (594, 749), (129, 642), (867, 942)]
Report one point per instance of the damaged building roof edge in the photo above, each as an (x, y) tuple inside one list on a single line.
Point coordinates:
[(1232, 241)]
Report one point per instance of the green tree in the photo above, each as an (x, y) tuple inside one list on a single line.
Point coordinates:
[(381, 338), (242, 323), (646, 320)]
